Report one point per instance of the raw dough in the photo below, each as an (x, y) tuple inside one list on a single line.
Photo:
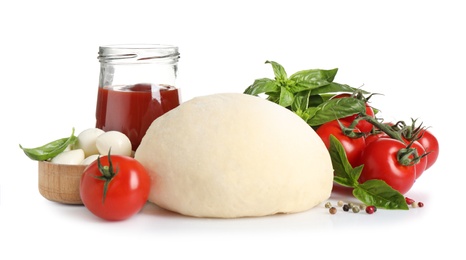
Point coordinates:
[(232, 155)]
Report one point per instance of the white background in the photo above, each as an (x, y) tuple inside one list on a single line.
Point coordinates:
[(411, 51)]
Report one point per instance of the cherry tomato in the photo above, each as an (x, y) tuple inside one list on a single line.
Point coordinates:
[(127, 191), (431, 146), (372, 137), (353, 146), (380, 162), (420, 166), (362, 125)]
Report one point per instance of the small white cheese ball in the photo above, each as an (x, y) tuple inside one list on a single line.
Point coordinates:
[(73, 157), (68, 148), (118, 142), (87, 141), (88, 160)]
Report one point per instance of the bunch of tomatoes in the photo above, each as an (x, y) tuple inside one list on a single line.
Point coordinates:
[(395, 152)]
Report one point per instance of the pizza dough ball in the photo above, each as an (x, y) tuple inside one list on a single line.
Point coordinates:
[(232, 155)]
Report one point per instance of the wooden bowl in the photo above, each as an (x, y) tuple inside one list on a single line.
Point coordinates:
[(60, 182)]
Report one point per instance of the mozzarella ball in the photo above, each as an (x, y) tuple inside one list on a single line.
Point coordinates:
[(68, 148), (234, 155), (73, 157), (88, 160), (87, 140), (114, 141)]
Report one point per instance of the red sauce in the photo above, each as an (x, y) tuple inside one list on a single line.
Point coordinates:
[(132, 109)]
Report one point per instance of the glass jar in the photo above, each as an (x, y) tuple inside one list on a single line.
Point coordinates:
[(136, 86)]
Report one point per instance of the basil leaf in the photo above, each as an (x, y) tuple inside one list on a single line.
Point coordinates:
[(278, 70), (263, 85), (334, 87), (380, 194), (315, 77), (310, 86), (315, 100), (49, 150), (301, 101), (344, 173), (325, 97), (274, 97), (286, 97), (302, 86), (335, 109)]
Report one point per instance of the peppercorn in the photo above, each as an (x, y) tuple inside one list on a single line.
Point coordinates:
[(371, 209), (332, 210), (340, 203), (409, 201), (328, 205), (355, 209), (346, 207), (420, 204)]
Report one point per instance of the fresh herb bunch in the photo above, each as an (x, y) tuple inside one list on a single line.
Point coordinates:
[(307, 93)]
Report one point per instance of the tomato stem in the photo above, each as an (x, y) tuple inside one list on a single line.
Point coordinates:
[(108, 173), (383, 127), (407, 156), (349, 131)]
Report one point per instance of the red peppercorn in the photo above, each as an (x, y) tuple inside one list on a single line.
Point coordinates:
[(371, 209), (409, 201), (420, 204)]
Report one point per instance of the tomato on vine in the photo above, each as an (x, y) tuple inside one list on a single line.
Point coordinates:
[(389, 160), (351, 139), (420, 163), (425, 138), (431, 146), (375, 136), (115, 187)]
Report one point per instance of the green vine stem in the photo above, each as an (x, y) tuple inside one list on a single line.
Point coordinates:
[(383, 127)]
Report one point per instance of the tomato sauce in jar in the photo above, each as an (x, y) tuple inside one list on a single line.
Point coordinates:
[(132, 109)]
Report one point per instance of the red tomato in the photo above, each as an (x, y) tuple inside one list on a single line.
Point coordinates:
[(372, 137), (362, 125), (353, 146), (421, 166), (127, 192), (431, 146), (380, 162)]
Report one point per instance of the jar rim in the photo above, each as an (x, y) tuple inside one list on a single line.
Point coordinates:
[(112, 52), (139, 46)]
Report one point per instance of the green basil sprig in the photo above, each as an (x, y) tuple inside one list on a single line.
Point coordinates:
[(372, 192), (307, 93), (50, 150)]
